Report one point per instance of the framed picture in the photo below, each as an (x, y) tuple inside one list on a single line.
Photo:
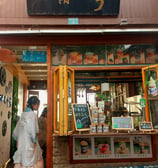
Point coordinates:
[(112, 148)]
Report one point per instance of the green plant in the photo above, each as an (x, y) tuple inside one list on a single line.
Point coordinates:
[(103, 96)]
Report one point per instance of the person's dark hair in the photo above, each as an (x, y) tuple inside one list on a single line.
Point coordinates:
[(88, 104), (32, 101), (44, 112)]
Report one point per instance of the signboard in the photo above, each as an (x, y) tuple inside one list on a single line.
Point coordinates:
[(34, 56), (145, 126), (73, 7), (82, 116), (73, 21), (142, 102), (122, 123)]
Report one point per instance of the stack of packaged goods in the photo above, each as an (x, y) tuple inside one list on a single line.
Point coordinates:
[(98, 122)]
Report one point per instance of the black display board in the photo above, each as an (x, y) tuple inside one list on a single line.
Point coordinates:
[(73, 7), (82, 116)]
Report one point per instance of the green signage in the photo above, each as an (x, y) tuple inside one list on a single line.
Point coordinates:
[(142, 102)]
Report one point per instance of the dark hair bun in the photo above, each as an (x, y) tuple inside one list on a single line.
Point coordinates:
[(32, 101)]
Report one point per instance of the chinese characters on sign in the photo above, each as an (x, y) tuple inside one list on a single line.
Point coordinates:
[(101, 3), (73, 7), (81, 116), (64, 1)]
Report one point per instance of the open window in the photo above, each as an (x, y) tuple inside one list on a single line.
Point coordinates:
[(63, 99), (150, 86)]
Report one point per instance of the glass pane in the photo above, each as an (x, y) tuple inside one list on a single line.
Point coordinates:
[(59, 57), (90, 55), (154, 113), (57, 100), (70, 118), (152, 90), (75, 57)]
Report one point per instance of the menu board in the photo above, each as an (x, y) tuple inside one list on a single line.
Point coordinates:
[(145, 126), (82, 116), (122, 123)]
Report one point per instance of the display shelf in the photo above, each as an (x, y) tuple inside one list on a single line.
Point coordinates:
[(153, 98), (116, 111), (120, 133)]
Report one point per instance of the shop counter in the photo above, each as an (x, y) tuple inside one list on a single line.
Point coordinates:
[(113, 147)]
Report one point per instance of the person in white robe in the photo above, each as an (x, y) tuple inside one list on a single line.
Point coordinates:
[(28, 153)]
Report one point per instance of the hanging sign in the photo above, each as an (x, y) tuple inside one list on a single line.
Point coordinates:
[(142, 102), (34, 56), (73, 21), (73, 7)]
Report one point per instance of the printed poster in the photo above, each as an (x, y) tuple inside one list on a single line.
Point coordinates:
[(112, 147)]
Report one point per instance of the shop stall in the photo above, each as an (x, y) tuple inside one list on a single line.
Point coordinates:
[(106, 110), (89, 56)]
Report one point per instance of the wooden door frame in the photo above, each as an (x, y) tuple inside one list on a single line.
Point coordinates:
[(49, 161)]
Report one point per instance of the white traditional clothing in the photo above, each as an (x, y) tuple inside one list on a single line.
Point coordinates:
[(29, 153)]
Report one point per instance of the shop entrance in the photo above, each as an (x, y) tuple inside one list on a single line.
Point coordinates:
[(22, 75)]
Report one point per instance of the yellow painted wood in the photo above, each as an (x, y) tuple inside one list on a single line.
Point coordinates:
[(72, 94), (151, 67), (55, 98), (61, 81), (145, 94), (65, 105), (60, 100)]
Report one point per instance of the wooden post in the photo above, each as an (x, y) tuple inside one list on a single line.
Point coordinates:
[(49, 114), (24, 96), (147, 117)]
